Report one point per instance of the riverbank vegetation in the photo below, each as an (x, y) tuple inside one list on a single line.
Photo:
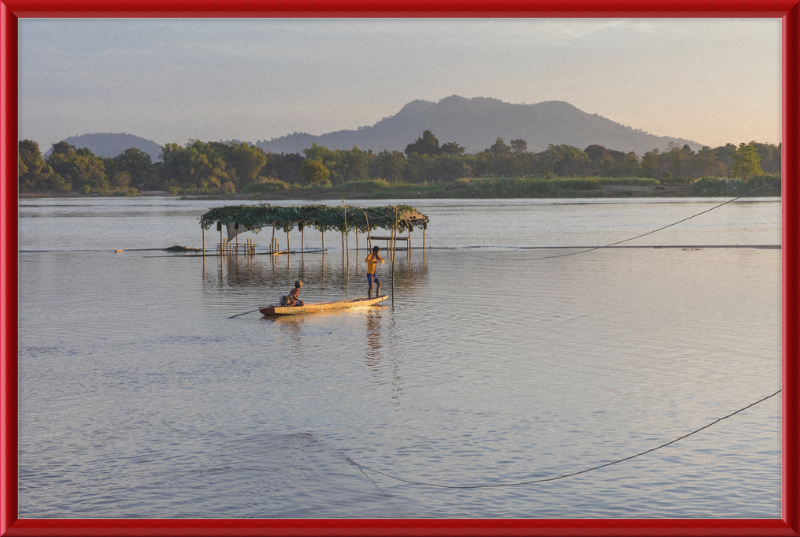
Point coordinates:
[(427, 168)]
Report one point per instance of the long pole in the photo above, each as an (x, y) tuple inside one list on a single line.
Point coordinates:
[(394, 237), (423, 246), (394, 246), (369, 237), (203, 228), (245, 313), (347, 254), (408, 245), (272, 244), (342, 232)]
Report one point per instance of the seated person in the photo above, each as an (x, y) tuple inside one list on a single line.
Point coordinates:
[(294, 295)]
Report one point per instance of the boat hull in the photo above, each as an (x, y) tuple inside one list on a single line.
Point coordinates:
[(322, 306)]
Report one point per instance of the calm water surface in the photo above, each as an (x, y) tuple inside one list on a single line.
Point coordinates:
[(140, 398)]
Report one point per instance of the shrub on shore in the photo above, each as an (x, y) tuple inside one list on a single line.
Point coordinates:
[(371, 184), (125, 192), (266, 186), (522, 187), (712, 186), (627, 181)]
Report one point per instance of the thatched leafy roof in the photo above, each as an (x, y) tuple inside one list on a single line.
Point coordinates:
[(319, 217)]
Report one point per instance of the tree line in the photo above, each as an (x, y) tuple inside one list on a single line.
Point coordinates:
[(239, 167)]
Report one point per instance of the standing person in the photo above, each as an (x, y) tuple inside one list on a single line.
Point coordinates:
[(294, 294), (372, 261)]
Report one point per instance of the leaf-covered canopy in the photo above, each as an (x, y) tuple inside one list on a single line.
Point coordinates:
[(320, 217)]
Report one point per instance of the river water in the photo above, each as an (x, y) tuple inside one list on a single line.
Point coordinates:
[(141, 398)]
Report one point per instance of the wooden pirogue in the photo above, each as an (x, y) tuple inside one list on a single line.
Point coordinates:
[(321, 306)]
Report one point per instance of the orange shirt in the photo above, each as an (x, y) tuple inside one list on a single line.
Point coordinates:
[(372, 262)]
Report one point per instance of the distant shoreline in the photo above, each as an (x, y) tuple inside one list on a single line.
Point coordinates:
[(405, 192)]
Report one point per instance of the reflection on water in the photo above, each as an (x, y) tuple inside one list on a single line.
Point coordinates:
[(277, 274), (373, 347), (141, 397)]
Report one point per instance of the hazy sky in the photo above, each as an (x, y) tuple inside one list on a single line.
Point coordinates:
[(713, 81)]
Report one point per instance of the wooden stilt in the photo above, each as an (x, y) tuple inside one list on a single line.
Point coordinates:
[(203, 228)]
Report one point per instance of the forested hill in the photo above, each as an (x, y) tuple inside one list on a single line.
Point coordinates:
[(107, 144), (477, 123)]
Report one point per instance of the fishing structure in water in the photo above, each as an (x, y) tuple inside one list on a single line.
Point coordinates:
[(241, 218)]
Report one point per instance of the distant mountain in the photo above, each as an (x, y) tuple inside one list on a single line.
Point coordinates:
[(477, 123), (107, 144)]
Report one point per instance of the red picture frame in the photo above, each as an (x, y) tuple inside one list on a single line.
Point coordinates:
[(12, 10)]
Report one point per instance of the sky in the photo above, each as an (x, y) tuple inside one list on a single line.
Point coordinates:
[(713, 81)]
